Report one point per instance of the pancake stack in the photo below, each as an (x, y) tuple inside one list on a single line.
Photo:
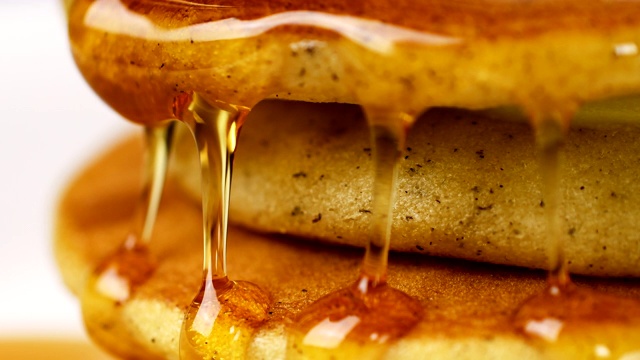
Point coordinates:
[(472, 77)]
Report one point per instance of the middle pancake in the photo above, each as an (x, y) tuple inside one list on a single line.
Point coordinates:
[(468, 187)]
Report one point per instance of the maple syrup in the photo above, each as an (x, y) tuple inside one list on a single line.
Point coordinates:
[(564, 318), (114, 281), (223, 316), (388, 137), (550, 135), (364, 318)]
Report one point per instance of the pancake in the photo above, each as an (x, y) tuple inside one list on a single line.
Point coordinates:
[(469, 185), (141, 56), (468, 307)]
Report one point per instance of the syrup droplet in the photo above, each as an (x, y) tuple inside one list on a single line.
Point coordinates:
[(116, 278), (362, 319), (564, 318), (223, 316)]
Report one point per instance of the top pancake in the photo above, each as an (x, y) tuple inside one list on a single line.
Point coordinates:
[(400, 56)]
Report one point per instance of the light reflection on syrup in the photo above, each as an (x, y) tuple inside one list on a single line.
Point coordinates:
[(364, 318), (116, 278), (223, 316), (374, 35), (564, 318), (625, 49)]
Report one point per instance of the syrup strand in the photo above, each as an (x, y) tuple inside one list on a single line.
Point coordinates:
[(215, 131), (223, 316), (388, 135), (132, 264), (369, 311), (115, 280), (550, 135), (158, 145)]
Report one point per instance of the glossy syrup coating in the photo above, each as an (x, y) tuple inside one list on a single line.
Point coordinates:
[(408, 56), (466, 18)]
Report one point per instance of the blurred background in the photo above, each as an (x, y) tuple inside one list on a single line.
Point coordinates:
[(52, 124)]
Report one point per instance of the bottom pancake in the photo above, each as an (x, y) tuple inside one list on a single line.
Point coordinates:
[(468, 308)]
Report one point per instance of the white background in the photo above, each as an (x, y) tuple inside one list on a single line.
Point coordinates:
[(51, 123)]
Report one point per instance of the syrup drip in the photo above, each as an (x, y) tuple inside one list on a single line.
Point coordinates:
[(116, 278), (132, 263), (369, 313), (550, 139), (387, 138), (564, 318), (221, 320)]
